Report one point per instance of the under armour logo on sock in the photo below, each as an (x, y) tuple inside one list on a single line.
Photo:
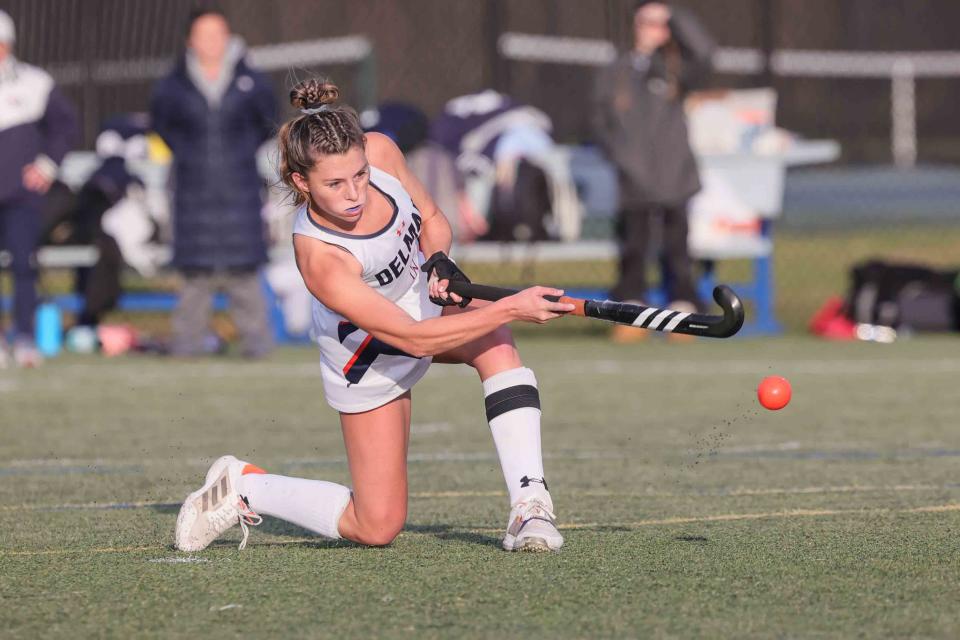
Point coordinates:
[(526, 480)]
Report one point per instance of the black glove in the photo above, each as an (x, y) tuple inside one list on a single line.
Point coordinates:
[(446, 269)]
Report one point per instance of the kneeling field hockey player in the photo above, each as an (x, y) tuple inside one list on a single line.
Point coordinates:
[(381, 315)]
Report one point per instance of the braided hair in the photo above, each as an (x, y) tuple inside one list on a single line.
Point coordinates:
[(322, 128)]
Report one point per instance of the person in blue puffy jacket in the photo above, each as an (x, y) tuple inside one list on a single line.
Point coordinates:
[(214, 112)]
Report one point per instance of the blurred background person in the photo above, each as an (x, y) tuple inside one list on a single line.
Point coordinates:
[(38, 125), (214, 111), (640, 123), (110, 212), (513, 179), (432, 163)]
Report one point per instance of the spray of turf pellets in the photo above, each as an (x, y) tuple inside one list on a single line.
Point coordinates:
[(706, 446)]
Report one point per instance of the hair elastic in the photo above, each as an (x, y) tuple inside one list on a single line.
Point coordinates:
[(315, 110)]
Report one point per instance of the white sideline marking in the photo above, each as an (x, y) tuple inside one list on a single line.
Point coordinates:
[(430, 427), (789, 513), (662, 368), (638, 368), (727, 517), (585, 493), (176, 560), (792, 445), (68, 506), (437, 456)]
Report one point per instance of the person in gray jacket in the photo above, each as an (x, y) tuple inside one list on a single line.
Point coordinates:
[(639, 122)]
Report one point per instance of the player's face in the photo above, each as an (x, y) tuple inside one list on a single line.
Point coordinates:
[(338, 184)]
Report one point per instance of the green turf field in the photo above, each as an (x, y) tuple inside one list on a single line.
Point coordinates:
[(687, 509)]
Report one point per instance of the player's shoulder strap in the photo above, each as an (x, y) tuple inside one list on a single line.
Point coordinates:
[(384, 180)]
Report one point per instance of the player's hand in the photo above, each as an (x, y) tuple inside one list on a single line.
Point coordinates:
[(437, 290), (442, 270), (36, 180), (530, 305)]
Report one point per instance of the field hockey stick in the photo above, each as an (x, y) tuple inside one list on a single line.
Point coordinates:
[(637, 315)]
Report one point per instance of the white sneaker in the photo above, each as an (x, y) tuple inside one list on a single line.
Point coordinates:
[(532, 527), (215, 507)]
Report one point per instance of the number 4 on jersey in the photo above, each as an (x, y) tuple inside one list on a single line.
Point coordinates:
[(365, 354)]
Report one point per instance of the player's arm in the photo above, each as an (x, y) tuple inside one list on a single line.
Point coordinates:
[(435, 234), (696, 47), (333, 277)]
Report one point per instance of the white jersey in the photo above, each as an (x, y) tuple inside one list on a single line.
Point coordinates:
[(360, 372)]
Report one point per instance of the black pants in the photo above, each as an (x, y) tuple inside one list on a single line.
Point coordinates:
[(20, 230), (634, 228), (99, 285)]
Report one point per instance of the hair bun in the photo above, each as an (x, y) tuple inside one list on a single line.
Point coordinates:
[(314, 93)]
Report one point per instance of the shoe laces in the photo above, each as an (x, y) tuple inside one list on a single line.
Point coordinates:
[(527, 506), (246, 516)]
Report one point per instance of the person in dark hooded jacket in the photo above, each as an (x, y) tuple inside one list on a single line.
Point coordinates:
[(214, 111), (639, 120)]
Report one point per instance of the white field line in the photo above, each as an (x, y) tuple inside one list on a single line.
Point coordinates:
[(430, 427), (659, 368), (834, 447), (791, 445), (436, 456), (786, 514), (640, 367), (449, 456), (179, 560), (727, 517), (585, 493)]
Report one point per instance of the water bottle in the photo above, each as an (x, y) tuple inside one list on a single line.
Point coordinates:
[(49, 329)]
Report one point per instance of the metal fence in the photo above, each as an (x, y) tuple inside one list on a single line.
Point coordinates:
[(880, 78), (850, 70)]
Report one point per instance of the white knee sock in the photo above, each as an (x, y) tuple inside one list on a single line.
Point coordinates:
[(312, 504), (513, 410)]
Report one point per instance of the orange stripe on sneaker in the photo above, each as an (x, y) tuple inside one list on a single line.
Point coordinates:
[(251, 468)]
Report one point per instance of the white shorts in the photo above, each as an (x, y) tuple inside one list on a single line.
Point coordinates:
[(359, 372)]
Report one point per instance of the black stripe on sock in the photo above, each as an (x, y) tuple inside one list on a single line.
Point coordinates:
[(517, 397)]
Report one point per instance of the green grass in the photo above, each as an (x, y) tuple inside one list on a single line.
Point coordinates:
[(688, 510)]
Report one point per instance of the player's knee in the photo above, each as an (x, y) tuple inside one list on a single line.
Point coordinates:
[(382, 538), (497, 344), (379, 529), (502, 337), (382, 533)]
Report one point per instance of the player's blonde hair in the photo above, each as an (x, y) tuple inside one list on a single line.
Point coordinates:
[(322, 128)]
